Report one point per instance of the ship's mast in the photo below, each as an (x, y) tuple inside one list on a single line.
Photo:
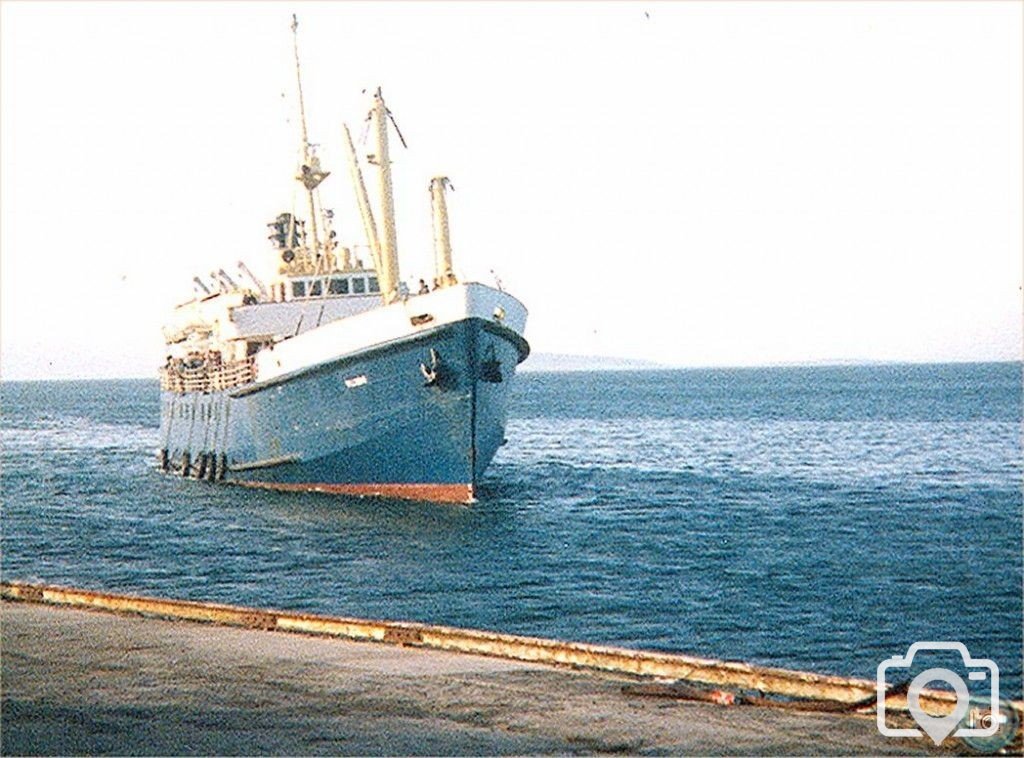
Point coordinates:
[(389, 245), (442, 239), (310, 174)]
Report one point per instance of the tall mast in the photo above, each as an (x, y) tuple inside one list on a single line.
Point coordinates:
[(310, 174), (389, 247), (442, 239)]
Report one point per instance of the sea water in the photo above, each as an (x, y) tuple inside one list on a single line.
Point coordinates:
[(812, 518)]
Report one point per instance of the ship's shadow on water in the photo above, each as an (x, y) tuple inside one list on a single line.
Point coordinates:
[(819, 519)]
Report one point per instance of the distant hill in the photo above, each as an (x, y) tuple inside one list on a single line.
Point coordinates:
[(564, 362)]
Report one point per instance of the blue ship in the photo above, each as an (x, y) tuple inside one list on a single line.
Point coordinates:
[(334, 376)]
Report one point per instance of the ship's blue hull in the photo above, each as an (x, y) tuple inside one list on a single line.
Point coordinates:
[(420, 417)]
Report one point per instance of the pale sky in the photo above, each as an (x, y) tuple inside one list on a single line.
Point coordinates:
[(696, 184)]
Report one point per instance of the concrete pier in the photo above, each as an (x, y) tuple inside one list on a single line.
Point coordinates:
[(76, 681)]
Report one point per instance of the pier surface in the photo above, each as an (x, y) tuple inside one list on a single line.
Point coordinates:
[(78, 681)]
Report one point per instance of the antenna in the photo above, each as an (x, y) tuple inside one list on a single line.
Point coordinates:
[(298, 76), (310, 173)]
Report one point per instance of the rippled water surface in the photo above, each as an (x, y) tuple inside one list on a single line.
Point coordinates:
[(820, 518)]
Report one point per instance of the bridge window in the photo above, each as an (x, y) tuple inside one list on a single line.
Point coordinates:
[(298, 289), (374, 286), (338, 286), (315, 288), (358, 285)]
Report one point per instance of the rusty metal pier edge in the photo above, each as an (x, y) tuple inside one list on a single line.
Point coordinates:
[(797, 684)]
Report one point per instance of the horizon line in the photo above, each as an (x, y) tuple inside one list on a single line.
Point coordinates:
[(639, 365)]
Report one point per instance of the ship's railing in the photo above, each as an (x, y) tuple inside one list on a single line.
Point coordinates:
[(206, 376)]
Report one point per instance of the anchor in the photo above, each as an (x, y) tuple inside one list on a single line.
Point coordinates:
[(433, 374)]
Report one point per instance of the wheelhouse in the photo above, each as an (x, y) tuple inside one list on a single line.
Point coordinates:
[(338, 284)]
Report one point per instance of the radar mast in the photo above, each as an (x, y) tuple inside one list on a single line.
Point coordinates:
[(310, 174)]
